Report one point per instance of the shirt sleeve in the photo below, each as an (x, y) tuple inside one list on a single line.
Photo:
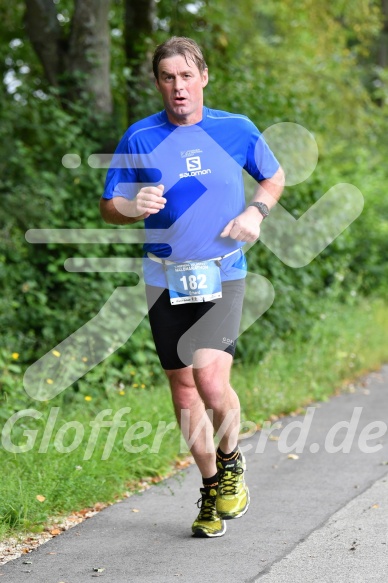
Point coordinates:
[(122, 177), (260, 160)]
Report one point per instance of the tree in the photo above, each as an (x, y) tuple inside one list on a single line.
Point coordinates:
[(139, 24), (383, 48), (77, 63)]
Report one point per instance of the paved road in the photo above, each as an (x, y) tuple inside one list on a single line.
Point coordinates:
[(321, 518)]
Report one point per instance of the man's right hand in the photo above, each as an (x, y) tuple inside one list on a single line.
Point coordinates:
[(120, 211), (149, 201)]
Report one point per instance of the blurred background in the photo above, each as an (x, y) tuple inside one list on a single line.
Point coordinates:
[(76, 73)]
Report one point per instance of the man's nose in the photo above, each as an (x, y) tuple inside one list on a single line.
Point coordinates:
[(178, 84)]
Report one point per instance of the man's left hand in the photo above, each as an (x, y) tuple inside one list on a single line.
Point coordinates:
[(245, 227)]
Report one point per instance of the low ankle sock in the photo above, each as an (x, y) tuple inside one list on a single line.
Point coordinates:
[(226, 457), (210, 482)]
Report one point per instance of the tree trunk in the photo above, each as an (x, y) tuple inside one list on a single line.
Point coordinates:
[(138, 26), (89, 51), (383, 48), (79, 64), (44, 32), (139, 23)]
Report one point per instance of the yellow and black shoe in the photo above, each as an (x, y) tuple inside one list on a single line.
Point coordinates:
[(208, 523), (232, 494)]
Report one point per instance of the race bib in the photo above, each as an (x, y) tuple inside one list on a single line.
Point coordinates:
[(194, 281)]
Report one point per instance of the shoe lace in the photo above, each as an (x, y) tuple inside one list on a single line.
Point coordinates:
[(207, 505), (228, 480)]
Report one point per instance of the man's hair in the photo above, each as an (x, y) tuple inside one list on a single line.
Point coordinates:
[(178, 45)]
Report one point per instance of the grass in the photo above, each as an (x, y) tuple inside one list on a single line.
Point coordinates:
[(344, 343), (103, 466)]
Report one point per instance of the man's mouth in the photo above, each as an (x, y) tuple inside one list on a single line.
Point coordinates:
[(179, 99)]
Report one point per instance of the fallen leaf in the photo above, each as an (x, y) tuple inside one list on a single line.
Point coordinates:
[(99, 569), (376, 506), (99, 506), (40, 498), (135, 510), (157, 479), (273, 438), (293, 456), (181, 464), (55, 531)]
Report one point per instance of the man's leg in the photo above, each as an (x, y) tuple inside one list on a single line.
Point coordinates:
[(197, 389), (196, 426), (205, 403), (212, 376), (211, 371), (197, 430)]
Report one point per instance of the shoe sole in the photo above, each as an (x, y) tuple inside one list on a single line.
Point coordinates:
[(202, 534)]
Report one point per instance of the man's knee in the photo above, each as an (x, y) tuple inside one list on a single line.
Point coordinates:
[(212, 380), (183, 388)]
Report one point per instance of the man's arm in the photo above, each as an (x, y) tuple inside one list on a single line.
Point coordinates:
[(246, 227), (270, 190), (120, 211)]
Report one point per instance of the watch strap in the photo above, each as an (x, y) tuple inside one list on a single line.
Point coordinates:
[(261, 207)]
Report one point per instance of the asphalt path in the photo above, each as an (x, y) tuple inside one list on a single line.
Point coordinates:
[(318, 516)]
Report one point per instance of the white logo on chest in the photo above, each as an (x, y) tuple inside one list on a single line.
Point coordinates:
[(193, 163)]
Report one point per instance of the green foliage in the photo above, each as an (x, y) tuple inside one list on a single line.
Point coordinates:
[(297, 372), (296, 61), (99, 468)]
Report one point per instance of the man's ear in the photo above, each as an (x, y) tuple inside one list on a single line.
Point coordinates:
[(205, 77), (157, 85)]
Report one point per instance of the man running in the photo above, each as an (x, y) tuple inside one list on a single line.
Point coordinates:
[(183, 176)]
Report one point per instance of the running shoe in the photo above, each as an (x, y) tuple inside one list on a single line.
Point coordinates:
[(232, 493), (208, 523)]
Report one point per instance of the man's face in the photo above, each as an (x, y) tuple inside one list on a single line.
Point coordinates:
[(181, 84)]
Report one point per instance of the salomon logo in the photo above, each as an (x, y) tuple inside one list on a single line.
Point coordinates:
[(194, 168), (193, 163)]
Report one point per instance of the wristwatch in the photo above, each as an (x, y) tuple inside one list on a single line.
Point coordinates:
[(261, 207)]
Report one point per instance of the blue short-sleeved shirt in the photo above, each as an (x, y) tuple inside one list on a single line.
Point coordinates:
[(201, 167)]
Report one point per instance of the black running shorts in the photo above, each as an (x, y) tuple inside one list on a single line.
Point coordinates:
[(182, 329)]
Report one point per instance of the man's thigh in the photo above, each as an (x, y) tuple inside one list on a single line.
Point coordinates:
[(181, 330)]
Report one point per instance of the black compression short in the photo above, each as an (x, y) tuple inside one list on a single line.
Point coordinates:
[(181, 329)]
